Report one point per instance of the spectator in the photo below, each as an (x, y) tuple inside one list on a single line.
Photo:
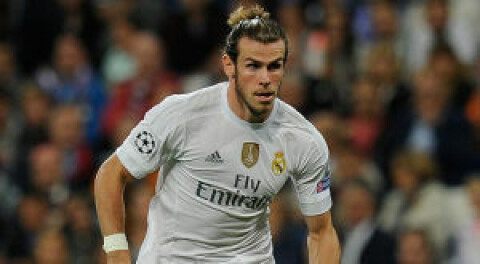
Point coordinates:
[(71, 79), (327, 61), (316, 11), (384, 22), (352, 166), (47, 174), (435, 25), (67, 134), (346, 163), (384, 69), (340, 70), (333, 129), (367, 116), (363, 241), (31, 217), (452, 73), (152, 83), (51, 248), (431, 127), (118, 64), (43, 22), (80, 19), (36, 108), (414, 247), (414, 199), (80, 230), (467, 238)]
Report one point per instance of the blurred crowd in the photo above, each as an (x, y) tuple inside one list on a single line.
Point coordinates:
[(393, 85)]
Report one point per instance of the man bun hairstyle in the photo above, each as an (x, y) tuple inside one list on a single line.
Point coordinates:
[(243, 13), (254, 23)]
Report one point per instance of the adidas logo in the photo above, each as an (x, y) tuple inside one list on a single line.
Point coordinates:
[(214, 157)]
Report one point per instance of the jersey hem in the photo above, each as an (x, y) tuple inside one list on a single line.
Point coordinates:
[(128, 162)]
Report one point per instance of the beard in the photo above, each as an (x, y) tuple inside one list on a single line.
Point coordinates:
[(244, 101), (258, 110)]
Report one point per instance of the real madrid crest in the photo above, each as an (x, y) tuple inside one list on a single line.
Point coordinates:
[(250, 153), (278, 164)]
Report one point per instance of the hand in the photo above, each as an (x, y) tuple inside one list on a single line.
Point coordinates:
[(119, 257)]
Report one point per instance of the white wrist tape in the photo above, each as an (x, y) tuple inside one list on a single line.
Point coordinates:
[(115, 242)]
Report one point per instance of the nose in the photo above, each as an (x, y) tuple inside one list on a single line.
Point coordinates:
[(265, 78)]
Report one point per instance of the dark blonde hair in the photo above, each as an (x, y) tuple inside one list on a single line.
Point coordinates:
[(422, 165), (254, 23)]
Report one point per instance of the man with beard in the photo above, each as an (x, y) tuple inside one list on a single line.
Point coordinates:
[(225, 151)]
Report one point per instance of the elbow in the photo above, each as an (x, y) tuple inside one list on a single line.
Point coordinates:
[(99, 180), (106, 176), (111, 176), (321, 231), (321, 227), (318, 225)]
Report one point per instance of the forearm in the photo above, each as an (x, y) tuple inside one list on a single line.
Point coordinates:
[(109, 201), (324, 247), (109, 189)]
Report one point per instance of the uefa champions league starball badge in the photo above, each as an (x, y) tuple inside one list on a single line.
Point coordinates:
[(145, 142)]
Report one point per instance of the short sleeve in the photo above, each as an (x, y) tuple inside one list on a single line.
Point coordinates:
[(312, 179), (155, 140)]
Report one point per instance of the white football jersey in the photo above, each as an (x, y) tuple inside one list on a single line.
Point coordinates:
[(219, 174)]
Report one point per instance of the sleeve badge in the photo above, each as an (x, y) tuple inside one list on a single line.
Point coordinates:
[(145, 142)]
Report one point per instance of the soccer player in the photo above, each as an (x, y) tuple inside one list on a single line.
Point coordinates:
[(225, 151)]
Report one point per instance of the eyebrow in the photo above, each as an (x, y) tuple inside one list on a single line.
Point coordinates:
[(261, 62)]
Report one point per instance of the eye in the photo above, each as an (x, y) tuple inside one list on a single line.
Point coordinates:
[(253, 66), (275, 66)]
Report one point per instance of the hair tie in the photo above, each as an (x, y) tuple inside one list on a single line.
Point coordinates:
[(246, 20)]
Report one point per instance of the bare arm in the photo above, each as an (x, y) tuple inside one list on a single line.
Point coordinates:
[(323, 244), (109, 188)]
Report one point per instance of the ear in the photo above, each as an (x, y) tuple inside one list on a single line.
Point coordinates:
[(228, 66)]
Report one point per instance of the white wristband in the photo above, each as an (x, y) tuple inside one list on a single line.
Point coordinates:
[(115, 242)]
